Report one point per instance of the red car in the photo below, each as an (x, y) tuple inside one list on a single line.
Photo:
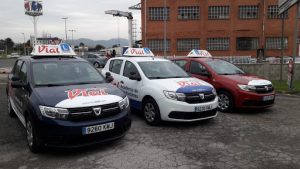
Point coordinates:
[(235, 88)]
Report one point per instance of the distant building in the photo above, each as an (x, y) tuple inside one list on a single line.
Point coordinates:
[(223, 27), (45, 41)]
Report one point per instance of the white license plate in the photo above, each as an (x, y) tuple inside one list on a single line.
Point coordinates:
[(268, 98), (203, 108), (98, 128)]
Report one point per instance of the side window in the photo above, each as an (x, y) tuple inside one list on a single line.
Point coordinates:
[(17, 67), (23, 73), (197, 68), (115, 66), (130, 67), (181, 63)]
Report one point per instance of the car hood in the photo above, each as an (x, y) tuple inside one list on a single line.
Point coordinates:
[(247, 80), (79, 95), (183, 85)]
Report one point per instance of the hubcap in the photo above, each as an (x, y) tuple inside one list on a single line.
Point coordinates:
[(29, 134), (149, 112), (223, 102)]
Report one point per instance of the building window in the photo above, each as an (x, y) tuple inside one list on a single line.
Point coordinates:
[(275, 43), (273, 12), (218, 12), (157, 13), (248, 12), (187, 44), (245, 43), (158, 45), (218, 44), (189, 13)]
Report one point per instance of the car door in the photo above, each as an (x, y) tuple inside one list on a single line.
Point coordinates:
[(115, 70), (22, 93), (12, 91), (129, 86), (199, 71)]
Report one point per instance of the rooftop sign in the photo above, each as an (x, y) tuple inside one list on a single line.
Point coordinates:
[(199, 53), (53, 50), (138, 52)]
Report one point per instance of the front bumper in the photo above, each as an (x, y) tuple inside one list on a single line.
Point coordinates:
[(172, 110), (254, 100), (68, 134)]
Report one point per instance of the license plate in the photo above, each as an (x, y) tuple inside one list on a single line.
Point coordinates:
[(203, 108), (98, 128), (268, 98)]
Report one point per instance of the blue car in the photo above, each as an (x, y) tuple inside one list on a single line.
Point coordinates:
[(63, 101)]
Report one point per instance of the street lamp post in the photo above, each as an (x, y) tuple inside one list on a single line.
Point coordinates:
[(72, 31), (24, 44), (66, 32)]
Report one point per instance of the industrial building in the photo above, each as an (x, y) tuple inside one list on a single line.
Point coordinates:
[(223, 27)]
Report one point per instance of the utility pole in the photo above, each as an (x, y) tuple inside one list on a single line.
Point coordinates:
[(66, 32), (282, 45), (24, 44), (72, 31)]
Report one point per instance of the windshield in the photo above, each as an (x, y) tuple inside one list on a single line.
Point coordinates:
[(162, 70), (224, 68), (65, 73)]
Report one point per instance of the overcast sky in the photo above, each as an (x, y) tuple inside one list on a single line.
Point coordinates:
[(85, 16)]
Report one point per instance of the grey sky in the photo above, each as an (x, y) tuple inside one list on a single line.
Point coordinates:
[(85, 16)]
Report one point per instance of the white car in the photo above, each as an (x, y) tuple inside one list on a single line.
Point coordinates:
[(160, 88)]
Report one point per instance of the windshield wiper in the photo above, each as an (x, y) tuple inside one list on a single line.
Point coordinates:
[(50, 85), (158, 77), (178, 76)]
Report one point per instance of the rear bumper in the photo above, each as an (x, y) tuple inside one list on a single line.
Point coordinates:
[(66, 134), (254, 100)]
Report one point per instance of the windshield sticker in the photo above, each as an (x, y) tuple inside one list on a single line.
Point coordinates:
[(85, 92)]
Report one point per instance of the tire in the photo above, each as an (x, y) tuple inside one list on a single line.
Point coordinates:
[(32, 141), (10, 111), (225, 101), (151, 112), (96, 65)]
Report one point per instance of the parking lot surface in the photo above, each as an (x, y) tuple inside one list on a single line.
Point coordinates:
[(243, 139)]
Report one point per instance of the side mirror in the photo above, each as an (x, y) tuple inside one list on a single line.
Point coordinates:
[(18, 84), (15, 78), (206, 74), (108, 77), (134, 76)]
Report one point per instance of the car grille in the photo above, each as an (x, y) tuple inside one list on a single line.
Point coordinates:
[(264, 89), (192, 115), (193, 98), (87, 113)]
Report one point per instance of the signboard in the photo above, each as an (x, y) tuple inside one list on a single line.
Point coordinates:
[(199, 53), (284, 5), (138, 52), (33, 8), (53, 50)]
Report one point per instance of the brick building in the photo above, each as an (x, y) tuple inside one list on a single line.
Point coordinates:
[(223, 27)]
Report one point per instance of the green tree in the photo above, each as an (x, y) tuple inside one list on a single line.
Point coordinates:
[(81, 44), (10, 44), (99, 47), (114, 46)]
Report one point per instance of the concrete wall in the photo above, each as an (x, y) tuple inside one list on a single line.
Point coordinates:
[(269, 71)]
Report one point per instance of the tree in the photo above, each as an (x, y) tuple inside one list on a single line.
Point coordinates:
[(99, 47), (81, 44), (115, 46), (10, 44)]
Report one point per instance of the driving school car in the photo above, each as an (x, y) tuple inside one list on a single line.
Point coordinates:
[(63, 101), (235, 88), (160, 88)]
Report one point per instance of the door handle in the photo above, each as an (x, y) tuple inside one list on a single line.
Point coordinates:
[(122, 82)]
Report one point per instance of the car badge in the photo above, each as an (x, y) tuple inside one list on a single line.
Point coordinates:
[(201, 96), (97, 111), (267, 88)]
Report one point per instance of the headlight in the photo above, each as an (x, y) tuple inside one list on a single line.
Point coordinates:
[(175, 96), (214, 91), (247, 87), (123, 104), (54, 113)]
